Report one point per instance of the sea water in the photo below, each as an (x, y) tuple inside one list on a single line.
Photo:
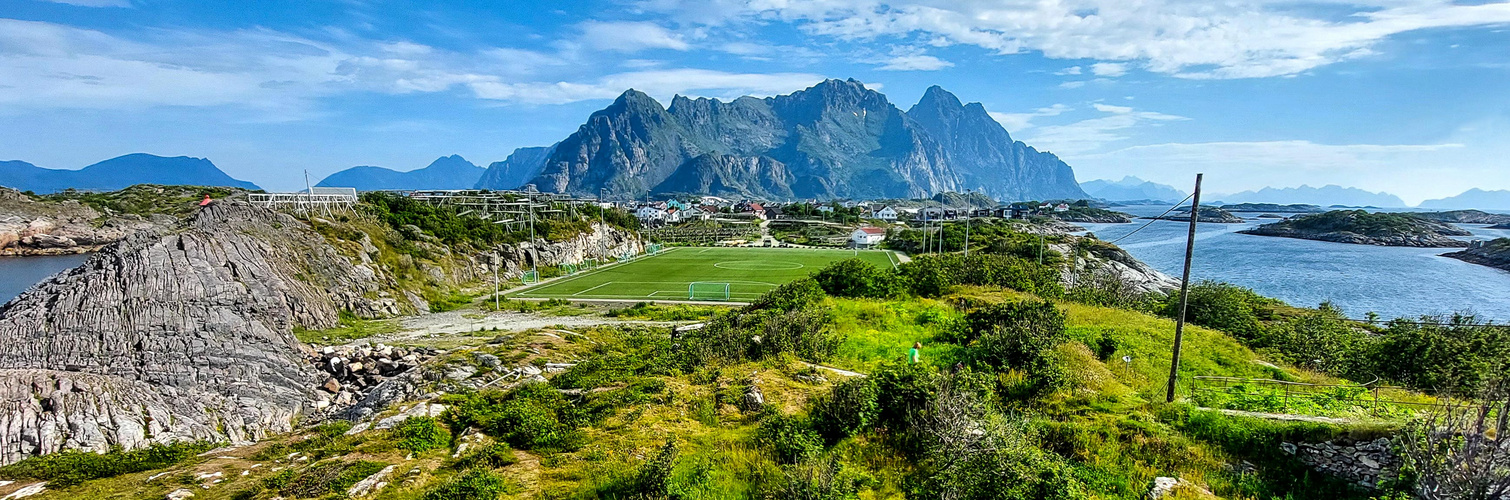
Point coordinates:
[(19, 273), (1391, 281)]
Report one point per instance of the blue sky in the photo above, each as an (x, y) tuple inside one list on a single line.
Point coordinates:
[(1406, 96)]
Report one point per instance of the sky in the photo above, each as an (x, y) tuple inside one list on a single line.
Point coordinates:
[(1410, 97)]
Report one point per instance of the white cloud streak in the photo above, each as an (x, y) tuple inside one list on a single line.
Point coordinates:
[(1184, 38)]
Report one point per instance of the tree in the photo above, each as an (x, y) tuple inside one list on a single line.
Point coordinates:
[(1461, 450)]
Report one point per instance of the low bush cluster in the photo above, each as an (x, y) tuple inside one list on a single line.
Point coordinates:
[(785, 320), (68, 468), (531, 416), (421, 434), (470, 485)]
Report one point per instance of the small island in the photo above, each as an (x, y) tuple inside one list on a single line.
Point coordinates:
[(1091, 215), (1500, 226), (1493, 253), (1466, 217), (1361, 227), (1298, 208), (1208, 214)]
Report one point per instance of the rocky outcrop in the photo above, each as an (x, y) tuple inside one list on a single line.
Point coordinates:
[(1094, 217), (1361, 462), (1364, 228), (29, 227), (1494, 253), (1465, 217), (1094, 260), (174, 334), (602, 242)]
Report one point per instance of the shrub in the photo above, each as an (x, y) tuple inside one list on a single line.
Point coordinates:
[(816, 480), (789, 438), (1014, 334), (857, 278), (784, 320), (531, 416), (322, 478), (1320, 339), (934, 275), (420, 434), (475, 484), (491, 456), (902, 390), (68, 468), (851, 407), (1446, 354), (791, 296), (1222, 306)]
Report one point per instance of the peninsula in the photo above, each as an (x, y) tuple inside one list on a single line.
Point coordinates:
[(1493, 253)]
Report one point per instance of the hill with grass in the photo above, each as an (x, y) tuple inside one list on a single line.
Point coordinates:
[(1366, 228), (1034, 378)]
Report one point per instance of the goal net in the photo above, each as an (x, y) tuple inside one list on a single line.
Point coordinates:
[(530, 277), (705, 290)]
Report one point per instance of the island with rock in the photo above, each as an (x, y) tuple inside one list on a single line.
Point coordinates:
[(1298, 208), (1494, 253), (1212, 215), (1361, 227), (1466, 217)]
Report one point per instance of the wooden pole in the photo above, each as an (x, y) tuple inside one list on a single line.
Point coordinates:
[(1179, 326)]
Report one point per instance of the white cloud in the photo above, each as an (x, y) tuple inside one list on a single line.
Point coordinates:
[(1091, 135), (661, 84), (1072, 84), (1072, 70), (1109, 69), (1016, 122), (629, 36), (95, 3), (915, 63), (1186, 38)]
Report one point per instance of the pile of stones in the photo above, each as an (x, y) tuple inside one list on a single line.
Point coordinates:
[(353, 370)]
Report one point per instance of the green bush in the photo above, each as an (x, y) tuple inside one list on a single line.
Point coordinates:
[(322, 478), (475, 484), (531, 416), (68, 468), (421, 434), (785, 320), (790, 439), (903, 390), (793, 295), (857, 278), (491, 456), (1454, 355), (1019, 335), (1222, 306), (935, 275), (851, 407)]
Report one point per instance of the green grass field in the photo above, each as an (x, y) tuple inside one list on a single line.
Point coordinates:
[(749, 272)]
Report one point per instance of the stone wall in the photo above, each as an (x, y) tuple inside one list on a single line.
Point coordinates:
[(1361, 462)]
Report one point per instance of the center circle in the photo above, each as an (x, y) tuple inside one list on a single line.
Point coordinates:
[(758, 265)]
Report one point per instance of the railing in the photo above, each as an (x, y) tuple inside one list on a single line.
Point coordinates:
[(1281, 396)]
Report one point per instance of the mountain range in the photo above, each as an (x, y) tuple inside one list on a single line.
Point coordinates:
[(117, 173), (835, 139), (1473, 198), (1324, 196), (1132, 189), (446, 172), (516, 170)]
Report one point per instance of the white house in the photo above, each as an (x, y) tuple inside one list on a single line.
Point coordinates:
[(649, 213), (886, 213), (1061, 208), (867, 236), (825, 208)]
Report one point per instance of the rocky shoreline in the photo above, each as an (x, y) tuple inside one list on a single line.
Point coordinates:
[(1211, 215), (1363, 228), (1495, 253), (29, 227)]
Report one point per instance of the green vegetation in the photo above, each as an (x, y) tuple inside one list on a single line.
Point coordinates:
[(331, 476), (446, 224), (472, 484), (1371, 224), (144, 199), (420, 434), (68, 468), (351, 328), (664, 312)]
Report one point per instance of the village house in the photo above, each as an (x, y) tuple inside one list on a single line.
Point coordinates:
[(886, 214), (867, 236)]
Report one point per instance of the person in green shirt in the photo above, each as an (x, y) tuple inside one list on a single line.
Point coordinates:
[(912, 356)]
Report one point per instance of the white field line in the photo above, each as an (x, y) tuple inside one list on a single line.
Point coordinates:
[(605, 283)]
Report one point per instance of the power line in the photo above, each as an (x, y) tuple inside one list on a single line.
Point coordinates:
[(1155, 219)]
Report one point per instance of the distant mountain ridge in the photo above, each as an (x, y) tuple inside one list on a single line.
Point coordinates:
[(835, 139), (446, 172), (1132, 188), (1325, 196), (1472, 199), (118, 173), (516, 170)]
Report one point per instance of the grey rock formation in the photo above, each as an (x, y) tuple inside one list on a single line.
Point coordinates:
[(174, 334), (30, 227), (1362, 462)]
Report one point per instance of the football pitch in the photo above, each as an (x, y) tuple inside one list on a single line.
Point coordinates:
[(749, 273)]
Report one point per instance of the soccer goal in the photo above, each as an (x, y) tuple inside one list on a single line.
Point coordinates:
[(530, 277), (706, 290)]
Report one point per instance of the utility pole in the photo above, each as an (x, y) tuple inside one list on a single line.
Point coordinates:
[(534, 254), (1179, 326), (496, 307), (967, 230), (309, 194)]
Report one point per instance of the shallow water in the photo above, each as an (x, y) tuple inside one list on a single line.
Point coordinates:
[(19, 273), (1391, 281)]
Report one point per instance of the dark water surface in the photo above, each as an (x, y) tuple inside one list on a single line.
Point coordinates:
[(1392, 281), (19, 273)]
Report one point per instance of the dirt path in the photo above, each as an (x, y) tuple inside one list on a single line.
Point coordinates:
[(1287, 417), (468, 321), (840, 371)]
